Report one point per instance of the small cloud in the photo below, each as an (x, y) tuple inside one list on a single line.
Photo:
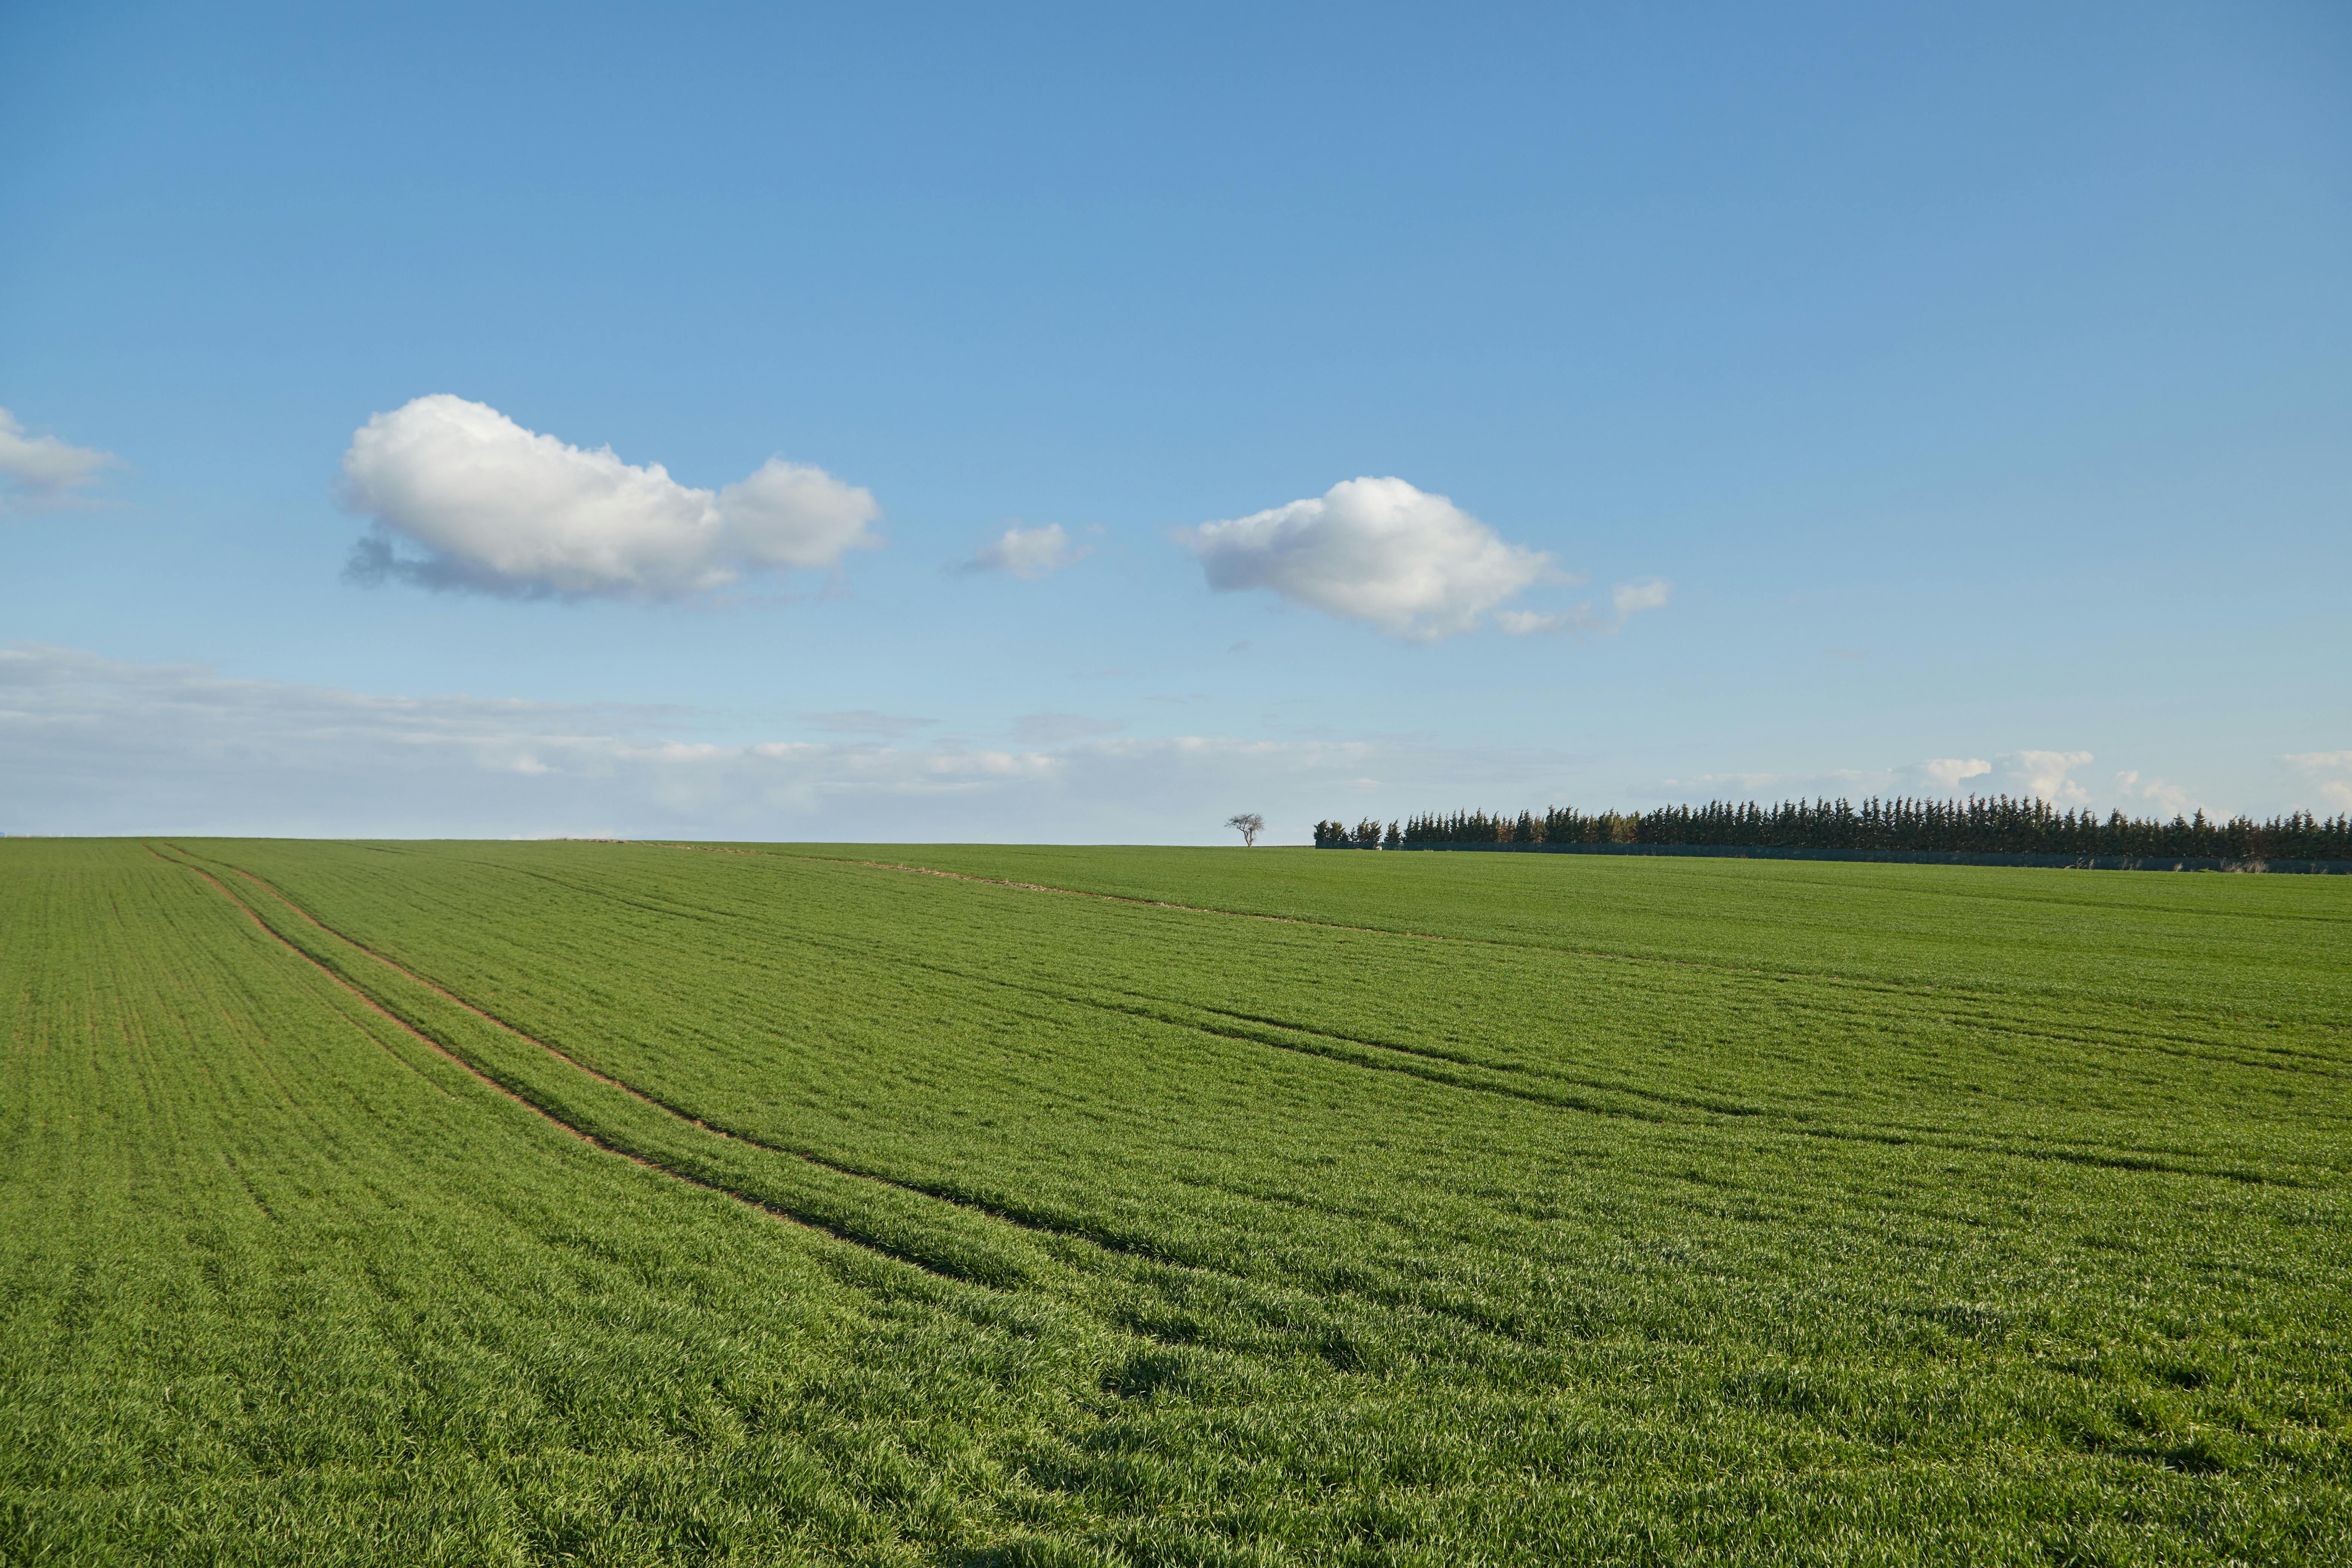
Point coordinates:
[(1845, 653), (1948, 772), (1241, 647), (1649, 593), (2333, 773), (1028, 553), (483, 505), (1625, 600), (41, 473), (1941, 774), (866, 722), (1531, 622), (1408, 564), (2168, 798), (2042, 774), (1057, 729)]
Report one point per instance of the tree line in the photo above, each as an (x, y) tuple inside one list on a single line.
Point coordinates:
[(1980, 824)]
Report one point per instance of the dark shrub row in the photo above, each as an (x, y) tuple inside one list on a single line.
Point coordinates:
[(1365, 835), (1979, 824)]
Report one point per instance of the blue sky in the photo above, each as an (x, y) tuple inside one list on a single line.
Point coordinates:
[(1973, 387)]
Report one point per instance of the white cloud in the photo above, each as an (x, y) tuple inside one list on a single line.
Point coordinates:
[(1406, 562), (2042, 774), (2170, 799), (2332, 771), (1649, 593), (41, 473), (497, 509), (1947, 772), (1028, 553), (1625, 600), (1537, 623), (99, 746)]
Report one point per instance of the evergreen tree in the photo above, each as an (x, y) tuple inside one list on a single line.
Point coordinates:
[(1979, 824)]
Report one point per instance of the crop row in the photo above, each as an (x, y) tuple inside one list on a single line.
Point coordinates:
[(1127, 1074), (919, 1218)]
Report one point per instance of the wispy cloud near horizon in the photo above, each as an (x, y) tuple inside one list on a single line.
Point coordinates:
[(94, 745), (2329, 772), (2031, 774)]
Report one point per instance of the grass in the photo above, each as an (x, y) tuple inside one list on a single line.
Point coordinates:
[(624, 1204)]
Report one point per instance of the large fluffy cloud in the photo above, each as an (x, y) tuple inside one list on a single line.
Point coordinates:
[(38, 473), (1409, 563), (463, 497)]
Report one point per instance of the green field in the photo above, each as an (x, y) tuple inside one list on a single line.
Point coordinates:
[(614, 1204)]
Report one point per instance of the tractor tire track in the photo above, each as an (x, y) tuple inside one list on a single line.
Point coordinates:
[(1031, 1222), (1142, 1249), (2280, 1058), (1448, 1070), (749, 1200)]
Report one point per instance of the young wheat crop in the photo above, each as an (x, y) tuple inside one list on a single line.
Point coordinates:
[(637, 1203)]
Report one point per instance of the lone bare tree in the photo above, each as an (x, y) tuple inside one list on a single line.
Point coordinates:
[(1249, 823)]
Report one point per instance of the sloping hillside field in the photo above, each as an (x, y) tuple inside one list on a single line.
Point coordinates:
[(619, 1203)]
